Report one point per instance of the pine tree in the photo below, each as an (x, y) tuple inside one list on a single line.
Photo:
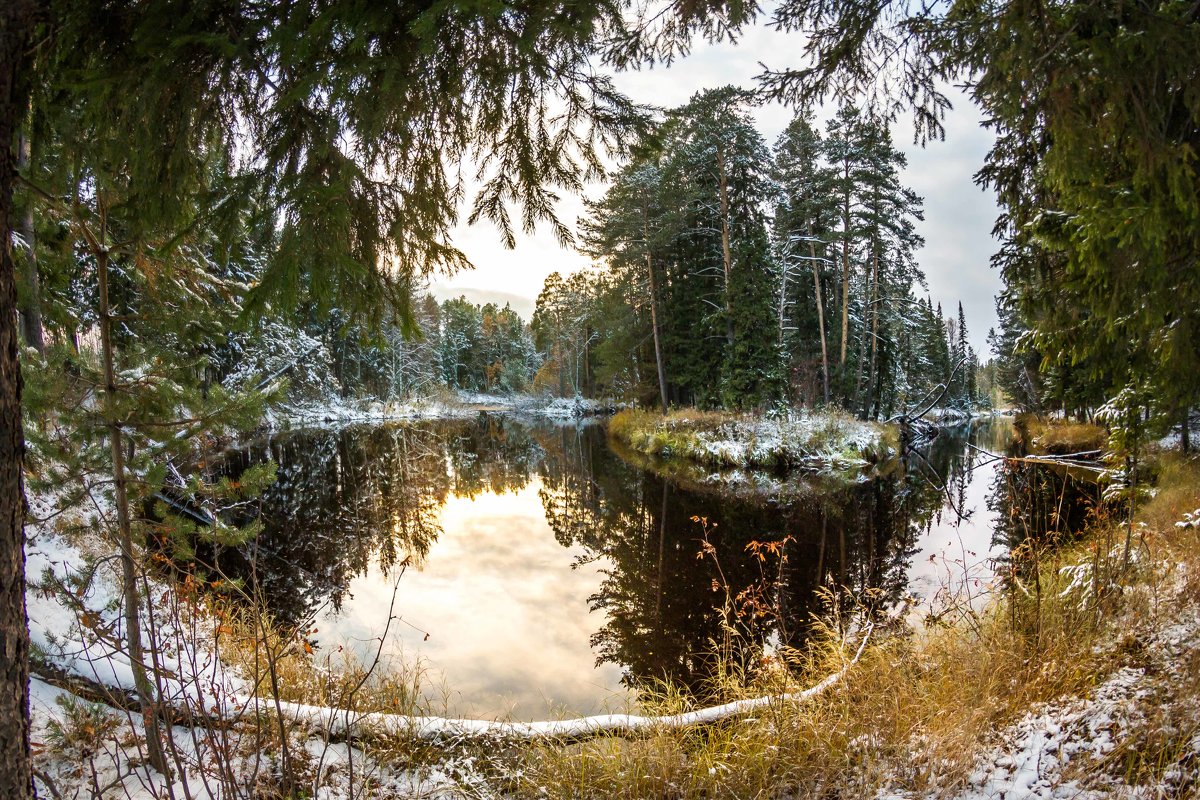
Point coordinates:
[(887, 217), (630, 228), (804, 220), (722, 165), (1093, 165), (152, 366)]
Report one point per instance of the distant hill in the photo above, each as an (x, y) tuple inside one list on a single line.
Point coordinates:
[(522, 305)]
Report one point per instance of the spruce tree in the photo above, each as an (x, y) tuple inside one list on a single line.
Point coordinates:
[(1094, 167), (804, 219)]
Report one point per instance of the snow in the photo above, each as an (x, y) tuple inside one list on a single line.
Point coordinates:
[(342, 722), (797, 439), (76, 621), (1064, 750), (462, 405)]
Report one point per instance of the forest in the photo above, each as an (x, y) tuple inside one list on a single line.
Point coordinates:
[(222, 223)]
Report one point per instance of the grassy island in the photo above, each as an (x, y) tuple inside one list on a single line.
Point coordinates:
[(718, 439)]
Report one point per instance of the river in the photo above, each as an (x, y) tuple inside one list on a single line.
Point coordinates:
[(528, 570)]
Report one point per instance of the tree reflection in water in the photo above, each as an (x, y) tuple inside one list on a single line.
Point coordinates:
[(350, 498), (347, 498)]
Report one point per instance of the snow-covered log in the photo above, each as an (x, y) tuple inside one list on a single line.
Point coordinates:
[(342, 723)]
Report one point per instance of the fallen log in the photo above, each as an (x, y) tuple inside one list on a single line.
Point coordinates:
[(339, 724), (344, 723)]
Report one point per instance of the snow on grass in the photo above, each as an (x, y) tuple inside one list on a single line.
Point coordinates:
[(800, 439), (75, 609), (461, 405), (1077, 748)]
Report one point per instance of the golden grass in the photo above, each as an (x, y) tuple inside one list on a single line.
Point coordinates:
[(279, 663), (1058, 437)]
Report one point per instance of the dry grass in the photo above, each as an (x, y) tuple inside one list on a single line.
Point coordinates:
[(918, 709), (280, 663), (1057, 437)]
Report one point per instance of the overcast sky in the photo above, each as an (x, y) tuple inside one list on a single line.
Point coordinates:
[(958, 215)]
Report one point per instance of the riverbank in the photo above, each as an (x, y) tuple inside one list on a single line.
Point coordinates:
[(444, 405), (1058, 437), (829, 440)]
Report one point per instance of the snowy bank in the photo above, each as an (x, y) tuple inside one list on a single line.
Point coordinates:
[(800, 440), (462, 405)]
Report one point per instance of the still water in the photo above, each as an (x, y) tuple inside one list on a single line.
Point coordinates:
[(530, 571)]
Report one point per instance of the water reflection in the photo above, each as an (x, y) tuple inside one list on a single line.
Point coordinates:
[(550, 572), (346, 500), (661, 603)]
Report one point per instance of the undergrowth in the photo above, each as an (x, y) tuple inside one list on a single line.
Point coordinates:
[(1058, 437)]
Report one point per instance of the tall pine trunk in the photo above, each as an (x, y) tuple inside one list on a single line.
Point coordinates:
[(147, 693), (859, 392), (17, 21), (812, 252), (31, 306), (845, 264), (872, 391), (726, 247), (658, 354)]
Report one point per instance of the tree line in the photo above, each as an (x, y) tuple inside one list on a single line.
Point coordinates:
[(740, 276), (1096, 125)]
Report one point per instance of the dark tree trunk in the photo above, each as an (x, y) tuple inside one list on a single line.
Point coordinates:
[(17, 19), (873, 305), (726, 247), (845, 266), (812, 253), (31, 305)]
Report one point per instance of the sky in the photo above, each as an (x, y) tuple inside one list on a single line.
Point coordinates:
[(958, 214)]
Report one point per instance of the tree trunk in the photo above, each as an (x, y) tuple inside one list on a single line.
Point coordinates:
[(31, 307), (861, 393), (816, 267), (726, 248), (845, 264), (872, 393), (132, 598), (17, 20), (783, 276), (1185, 433), (658, 355)]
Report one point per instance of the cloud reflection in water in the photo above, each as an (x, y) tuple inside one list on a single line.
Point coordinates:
[(507, 616)]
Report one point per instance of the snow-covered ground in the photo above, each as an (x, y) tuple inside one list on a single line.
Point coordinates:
[(799, 438), (1073, 748), (84, 748), (462, 405)]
